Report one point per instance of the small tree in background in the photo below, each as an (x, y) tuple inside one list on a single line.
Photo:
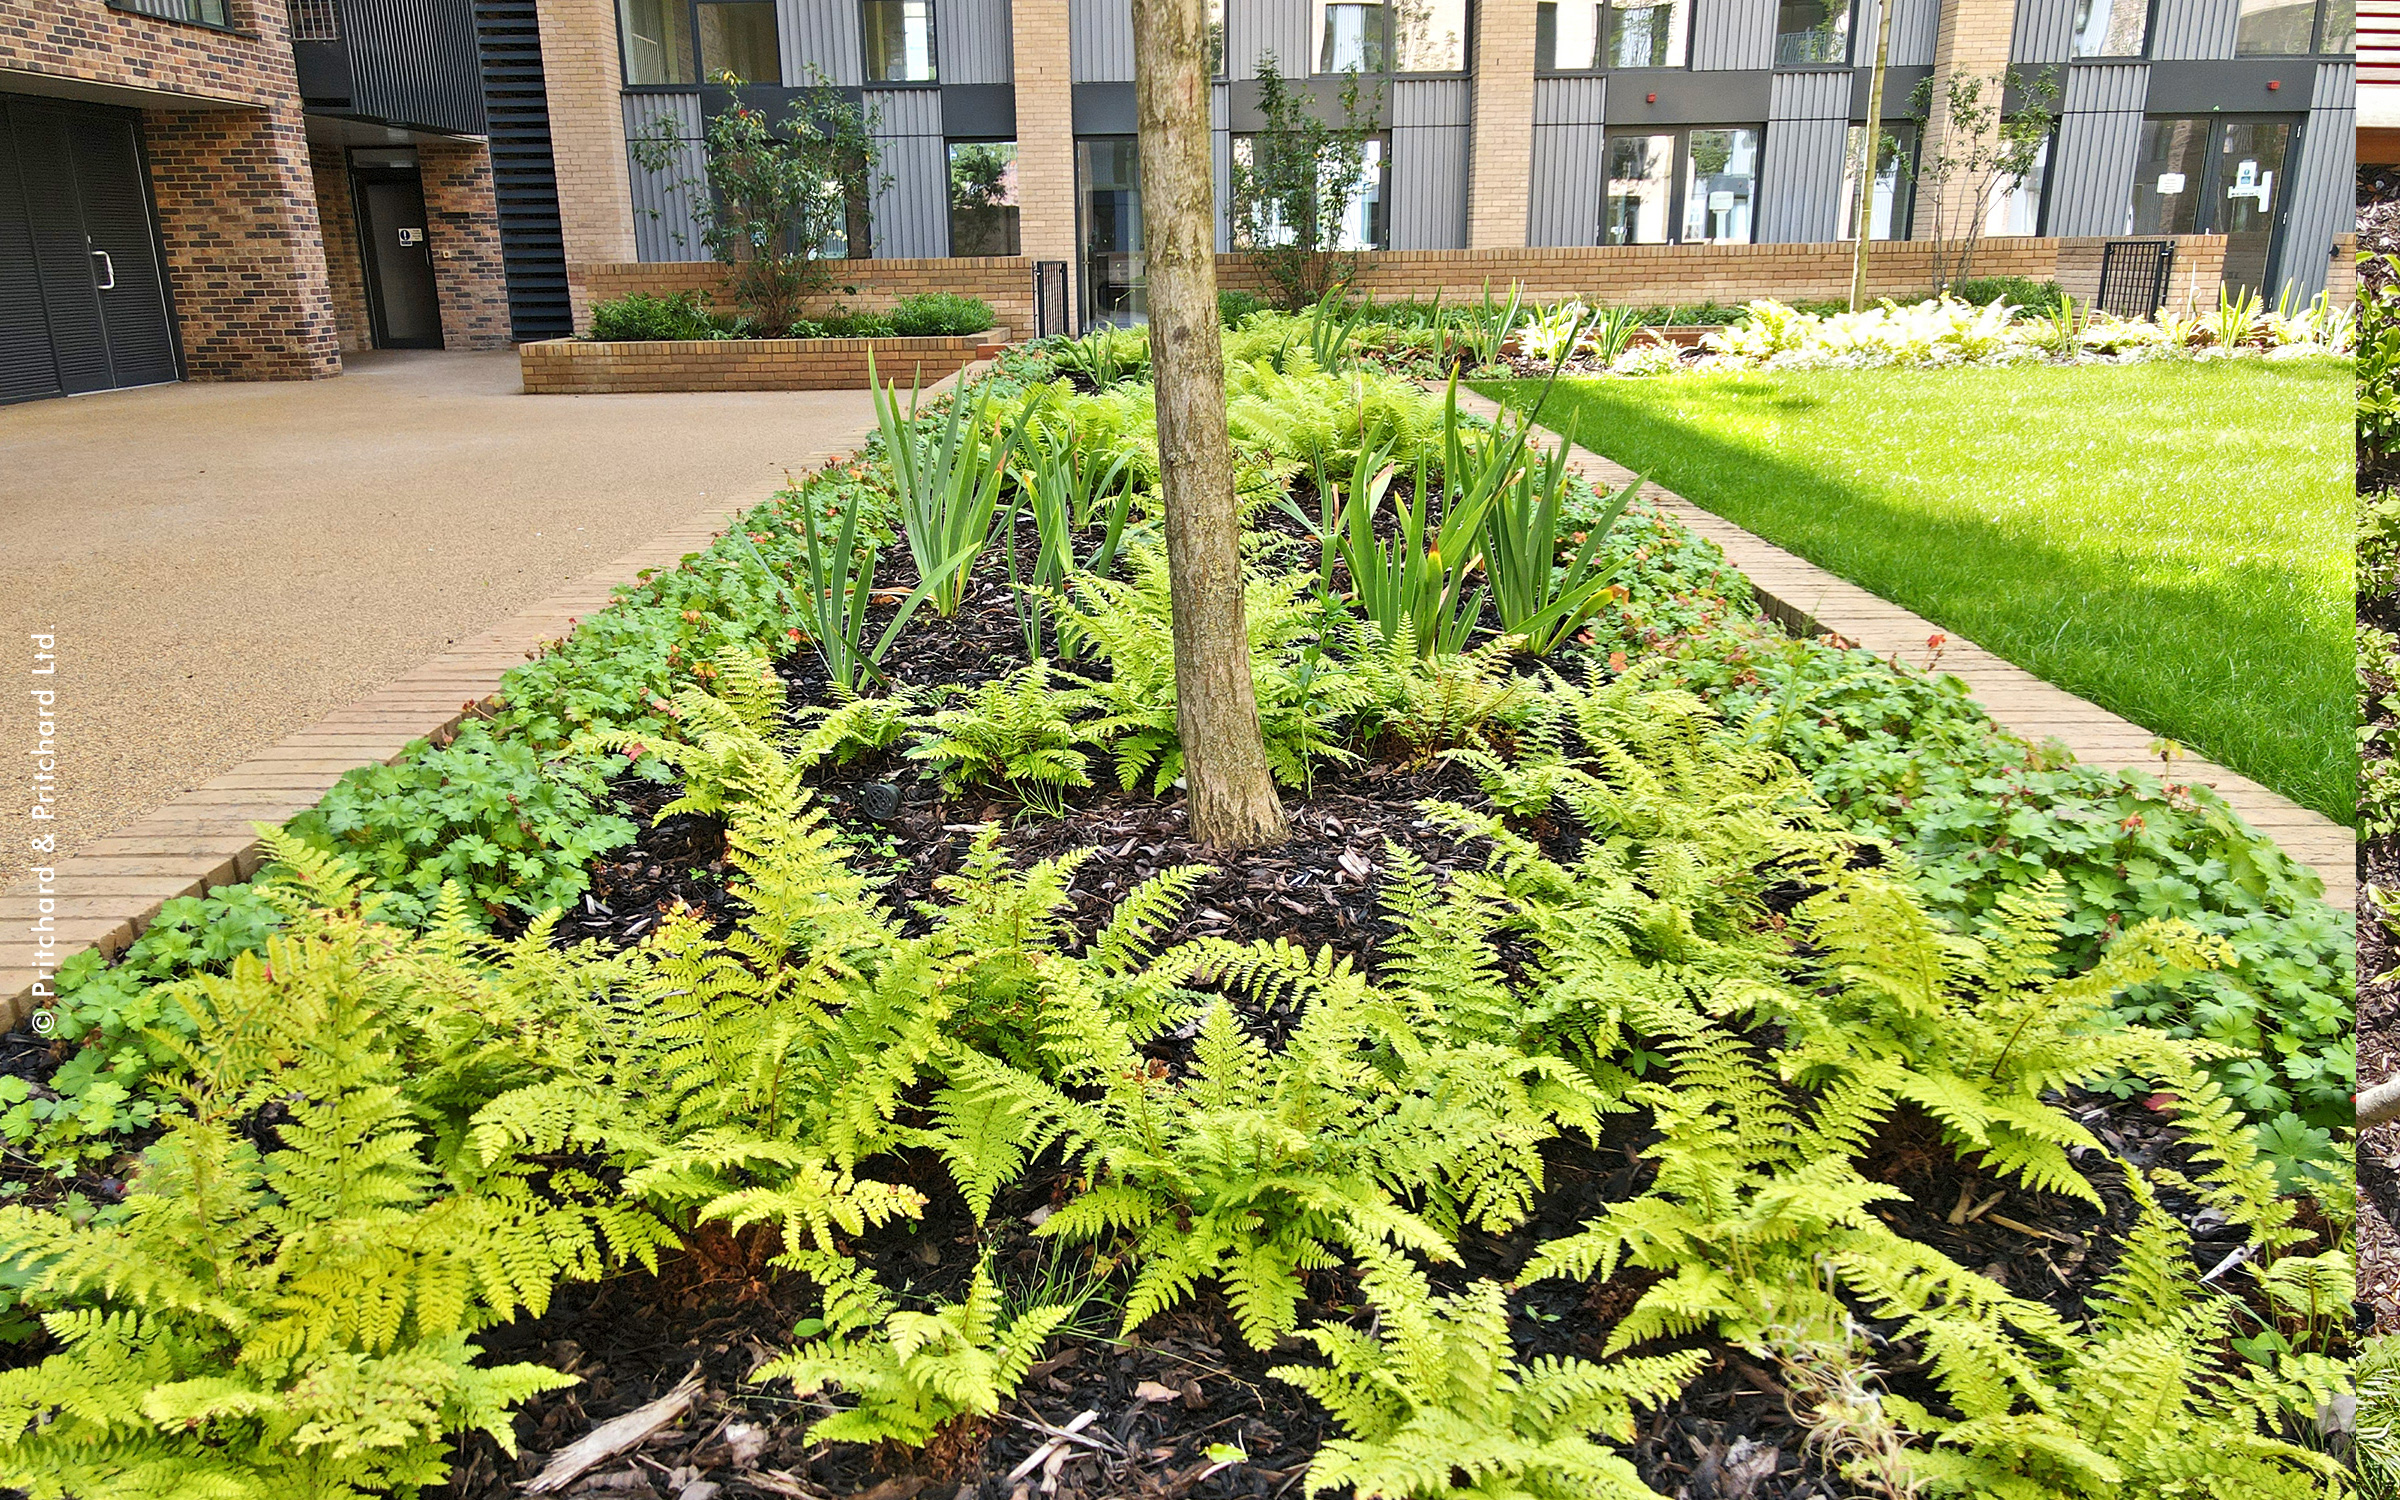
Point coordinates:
[(1291, 198), (774, 194), (1983, 146)]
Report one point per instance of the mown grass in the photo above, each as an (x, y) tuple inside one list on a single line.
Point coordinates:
[(2168, 540)]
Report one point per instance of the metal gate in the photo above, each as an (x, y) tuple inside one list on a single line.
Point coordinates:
[(1049, 298), (2134, 275)]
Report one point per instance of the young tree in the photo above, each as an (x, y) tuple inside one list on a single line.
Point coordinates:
[(1296, 190), (1232, 796), (772, 195), (1871, 157), (1982, 146)]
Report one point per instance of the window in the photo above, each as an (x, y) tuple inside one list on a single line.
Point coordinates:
[(1350, 35), (1429, 36), (1811, 33), (1363, 225), (1895, 172), (2017, 202), (1573, 36), (1216, 38), (655, 37), (2169, 175), (2294, 28), (2215, 174), (983, 198), (899, 40), (738, 37), (198, 12), (1690, 187), (2111, 28), (1108, 189)]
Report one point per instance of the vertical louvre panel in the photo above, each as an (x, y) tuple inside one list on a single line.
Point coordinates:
[(1914, 28), (1800, 186), (26, 366), (1733, 34), (1100, 40), (1429, 165), (516, 100), (2324, 182), (972, 41), (2043, 28), (414, 61), (1257, 27), (823, 34), (1567, 170), (665, 223), (911, 213), (2194, 28), (2098, 137)]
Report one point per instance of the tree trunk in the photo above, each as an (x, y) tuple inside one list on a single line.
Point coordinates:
[(1232, 796), (1866, 164)]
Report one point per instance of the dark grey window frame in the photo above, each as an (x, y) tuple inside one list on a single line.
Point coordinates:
[(2149, 40), (173, 11), (1383, 175), (2316, 35), (933, 49), (1842, 64), (691, 19), (1390, 46), (1600, 49), (1679, 176)]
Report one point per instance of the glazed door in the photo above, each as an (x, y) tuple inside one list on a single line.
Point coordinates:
[(2250, 197)]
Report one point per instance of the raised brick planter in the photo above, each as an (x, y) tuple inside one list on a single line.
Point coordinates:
[(582, 367)]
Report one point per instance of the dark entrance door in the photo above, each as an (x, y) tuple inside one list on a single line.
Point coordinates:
[(399, 257), (83, 306), (2217, 174)]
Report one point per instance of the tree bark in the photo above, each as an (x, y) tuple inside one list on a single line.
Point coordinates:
[(1231, 794), (1866, 166)]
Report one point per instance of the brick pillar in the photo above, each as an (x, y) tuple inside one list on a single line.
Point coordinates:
[(587, 136), (237, 208), (1973, 39), (1046, 139), (337, 217), (1498, 176), (463, 221)]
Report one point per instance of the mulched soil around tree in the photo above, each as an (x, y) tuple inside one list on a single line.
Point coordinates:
[(2378, 871)]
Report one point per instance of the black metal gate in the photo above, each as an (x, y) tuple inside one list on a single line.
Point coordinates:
[(2134, 275), (1049, 298)]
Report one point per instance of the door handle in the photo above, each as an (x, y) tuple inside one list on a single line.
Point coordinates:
[(108, 268)]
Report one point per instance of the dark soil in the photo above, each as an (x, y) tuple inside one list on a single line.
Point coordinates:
[(2378, 863)]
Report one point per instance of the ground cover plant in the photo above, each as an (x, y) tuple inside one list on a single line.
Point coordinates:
[(2074, 520), (646, 316), (1642, 1072)]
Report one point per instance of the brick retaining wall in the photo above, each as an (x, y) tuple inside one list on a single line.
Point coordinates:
[(580, 367), (1004, 281)]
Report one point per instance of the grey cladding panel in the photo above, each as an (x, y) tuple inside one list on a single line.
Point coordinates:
[(664, 224), (2194, 28), (1809, 96), (1421, 102), (823, 34), (1800, 181), (1914, 25), (1257, 27), (971, 41), (911, 212), (1100, 40), (2324, 184), (1429, 188), (1733, 34), (2043, 28), (1568, 176), (1570, 101), (2093, 175), (2104, 87)]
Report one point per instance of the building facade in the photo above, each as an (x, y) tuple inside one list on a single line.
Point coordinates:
[(1525, 133), (239, 189)]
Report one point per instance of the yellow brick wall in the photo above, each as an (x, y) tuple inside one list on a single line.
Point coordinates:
[(1973, 40), (587, 131), (1497, 208), (571, 367), (1045, 140)]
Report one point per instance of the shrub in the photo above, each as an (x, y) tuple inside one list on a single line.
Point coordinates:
[(2037, 297), (642, 317), (929, 314), (1233, 306)]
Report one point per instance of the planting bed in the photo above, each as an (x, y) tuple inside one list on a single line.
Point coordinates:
[(899, 993)]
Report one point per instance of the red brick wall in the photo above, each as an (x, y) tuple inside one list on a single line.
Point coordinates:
[(236, 199), (1004, 281), (1661, 275), (575, 367), (463, 222), (237, 207), (337, 218)]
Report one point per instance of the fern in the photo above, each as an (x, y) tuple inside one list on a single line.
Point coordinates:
[(1014, 734)]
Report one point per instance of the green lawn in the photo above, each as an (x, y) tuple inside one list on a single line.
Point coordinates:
[(2169, 540)]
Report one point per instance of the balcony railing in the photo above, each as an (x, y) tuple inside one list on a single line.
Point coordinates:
[(314, 21)]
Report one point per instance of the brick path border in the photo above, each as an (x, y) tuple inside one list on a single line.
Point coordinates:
[(105, 894), (1808, 600)]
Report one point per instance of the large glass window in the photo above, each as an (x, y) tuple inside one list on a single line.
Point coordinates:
[(1350, 34), (1108, 182), (2016, 206), (1573, 36), (655, 37), (983, 198), (1697, 186), (2215, 174), (1812, 32), (1363, 222), (1429, 36), (2111, 28), (2294, 28), (738, 37), (2169, 175), (899, 40), (1895, 170)]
